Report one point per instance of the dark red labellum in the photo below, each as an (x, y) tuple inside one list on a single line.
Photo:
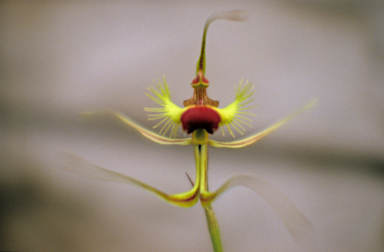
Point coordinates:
[(200, 117)]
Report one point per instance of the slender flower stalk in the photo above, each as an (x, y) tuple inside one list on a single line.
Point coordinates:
[(200, 117), (214, 230)]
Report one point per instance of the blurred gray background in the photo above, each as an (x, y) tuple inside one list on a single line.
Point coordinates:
[(61, 58)]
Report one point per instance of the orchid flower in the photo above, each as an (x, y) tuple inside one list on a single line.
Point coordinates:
[(199, 118)]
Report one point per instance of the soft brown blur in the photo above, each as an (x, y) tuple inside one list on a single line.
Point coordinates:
[(61, 58)]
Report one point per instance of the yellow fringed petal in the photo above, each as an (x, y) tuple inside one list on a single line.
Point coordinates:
[(170, 113), (233, 114)]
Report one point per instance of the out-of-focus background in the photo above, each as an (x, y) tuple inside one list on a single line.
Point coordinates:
[(61, 58)]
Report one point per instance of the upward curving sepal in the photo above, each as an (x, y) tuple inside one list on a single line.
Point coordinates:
[(250, 140), (233, 15)]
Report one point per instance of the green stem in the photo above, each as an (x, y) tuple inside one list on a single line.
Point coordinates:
[(214, 230), (213, 225)]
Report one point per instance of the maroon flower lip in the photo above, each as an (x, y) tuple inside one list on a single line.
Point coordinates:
[(200, 117)]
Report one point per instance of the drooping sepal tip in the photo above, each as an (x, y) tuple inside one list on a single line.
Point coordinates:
[(233, 15)]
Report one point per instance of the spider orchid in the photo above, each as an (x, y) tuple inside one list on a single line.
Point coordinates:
[(199, 118)]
